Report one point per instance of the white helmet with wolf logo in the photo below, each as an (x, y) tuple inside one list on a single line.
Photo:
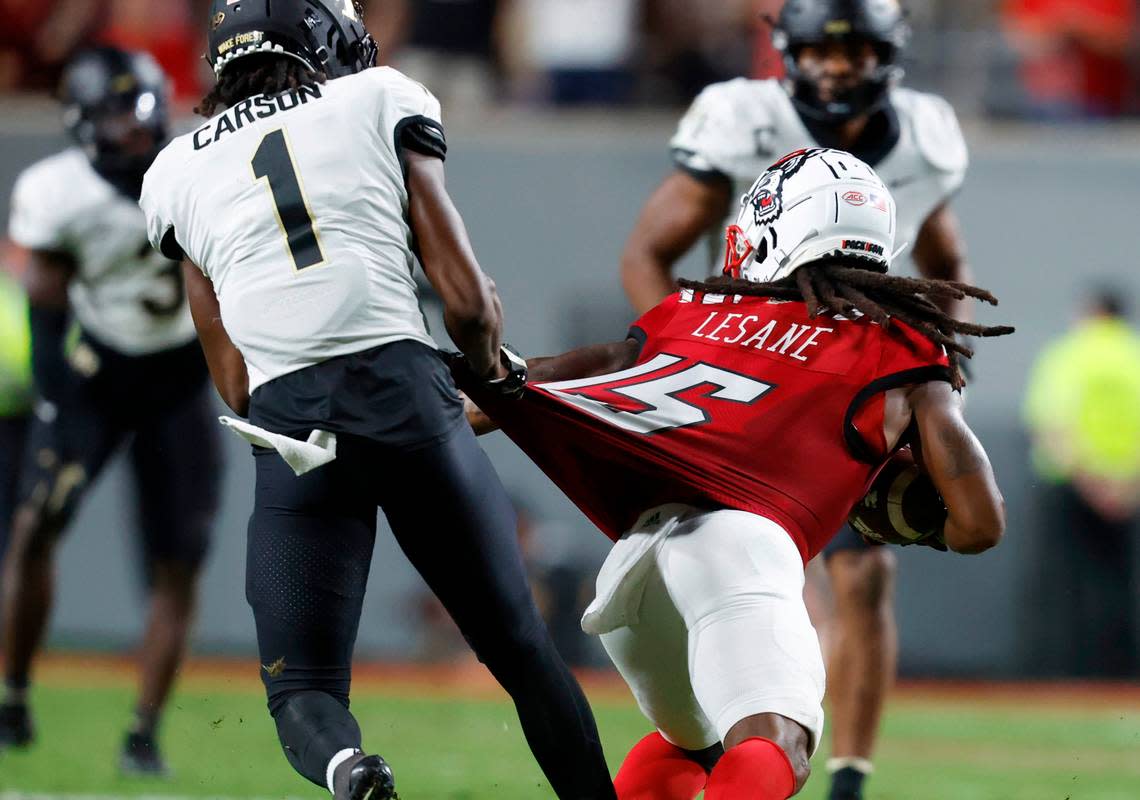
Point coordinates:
[(811, 205)]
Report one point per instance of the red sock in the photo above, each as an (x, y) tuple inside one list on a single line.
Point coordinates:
[(756, 769), (657, 770)]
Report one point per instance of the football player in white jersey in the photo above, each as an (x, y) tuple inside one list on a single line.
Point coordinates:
[(842, 91), (300, 210), (133, 374)]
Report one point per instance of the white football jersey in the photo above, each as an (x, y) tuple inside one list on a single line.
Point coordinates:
[(295, 207), (125, 294), (740, 127)]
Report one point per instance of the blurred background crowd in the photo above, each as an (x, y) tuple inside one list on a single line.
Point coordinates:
[(1046, 59)]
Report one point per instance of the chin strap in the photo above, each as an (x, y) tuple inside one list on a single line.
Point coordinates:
[(899, 251)]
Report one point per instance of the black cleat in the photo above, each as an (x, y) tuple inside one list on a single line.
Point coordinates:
[(364, 778), (15, 726), (141, 757)]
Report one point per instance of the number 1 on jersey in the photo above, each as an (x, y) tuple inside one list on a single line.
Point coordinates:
[(274, 162)]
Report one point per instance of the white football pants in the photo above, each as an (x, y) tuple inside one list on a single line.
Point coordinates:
[(702, 612)]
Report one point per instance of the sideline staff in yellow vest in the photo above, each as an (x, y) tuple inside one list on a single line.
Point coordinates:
[(15, 350), (1083, 409)]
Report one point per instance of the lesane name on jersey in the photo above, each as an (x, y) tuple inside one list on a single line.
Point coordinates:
[(792, 340), (245, 112)]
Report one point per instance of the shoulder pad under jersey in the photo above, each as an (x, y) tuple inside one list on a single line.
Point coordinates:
[(47, 198), (719, 129), (934, 125)]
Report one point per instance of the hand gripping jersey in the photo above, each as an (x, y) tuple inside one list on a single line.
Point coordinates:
[(736, 402), (124, 293), (295, 207), (739, 128)]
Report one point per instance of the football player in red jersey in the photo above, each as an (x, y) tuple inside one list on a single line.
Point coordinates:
[(843, 89), (723, 443)]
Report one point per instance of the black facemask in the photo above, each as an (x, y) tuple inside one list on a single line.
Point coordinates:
[(115, 164), (123, 172), (866, 97)]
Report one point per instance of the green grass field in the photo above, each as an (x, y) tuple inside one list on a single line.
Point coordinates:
[(220, 743)]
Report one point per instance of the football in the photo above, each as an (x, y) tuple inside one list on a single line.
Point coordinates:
[(902, 506)]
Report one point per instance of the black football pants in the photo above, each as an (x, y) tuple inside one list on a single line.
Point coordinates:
[(309, 550), (161, 404)]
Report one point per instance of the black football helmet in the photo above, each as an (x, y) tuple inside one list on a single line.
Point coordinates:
[(116, 107), (805, 22), (325, 35)]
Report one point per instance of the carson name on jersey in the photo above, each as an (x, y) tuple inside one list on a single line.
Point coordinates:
[(247, 111), (303, 241)]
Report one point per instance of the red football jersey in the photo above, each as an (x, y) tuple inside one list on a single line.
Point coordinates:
[(735, 402)]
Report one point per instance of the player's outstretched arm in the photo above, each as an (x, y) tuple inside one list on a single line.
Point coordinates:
[(473, 313), (960, 469), (674, 218), (45, 281), (585, 362), (227, 367)]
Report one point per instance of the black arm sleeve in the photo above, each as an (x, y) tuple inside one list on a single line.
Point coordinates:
[(169, 246), (682, 160), (421, 135)]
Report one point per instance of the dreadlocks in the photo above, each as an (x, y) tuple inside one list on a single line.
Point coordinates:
[(254, 75), (837, 287)]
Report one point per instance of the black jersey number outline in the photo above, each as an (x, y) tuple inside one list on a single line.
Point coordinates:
[(658, 391), (274, 163)]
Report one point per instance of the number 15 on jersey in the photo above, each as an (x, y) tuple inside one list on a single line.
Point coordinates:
[(657, 385)]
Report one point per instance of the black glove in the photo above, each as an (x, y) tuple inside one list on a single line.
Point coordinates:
[(511, 385)]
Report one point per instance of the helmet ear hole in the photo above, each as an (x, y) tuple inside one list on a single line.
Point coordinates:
[(762, 250)]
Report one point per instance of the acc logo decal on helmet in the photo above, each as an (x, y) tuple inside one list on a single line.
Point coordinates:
[(855, 198)]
